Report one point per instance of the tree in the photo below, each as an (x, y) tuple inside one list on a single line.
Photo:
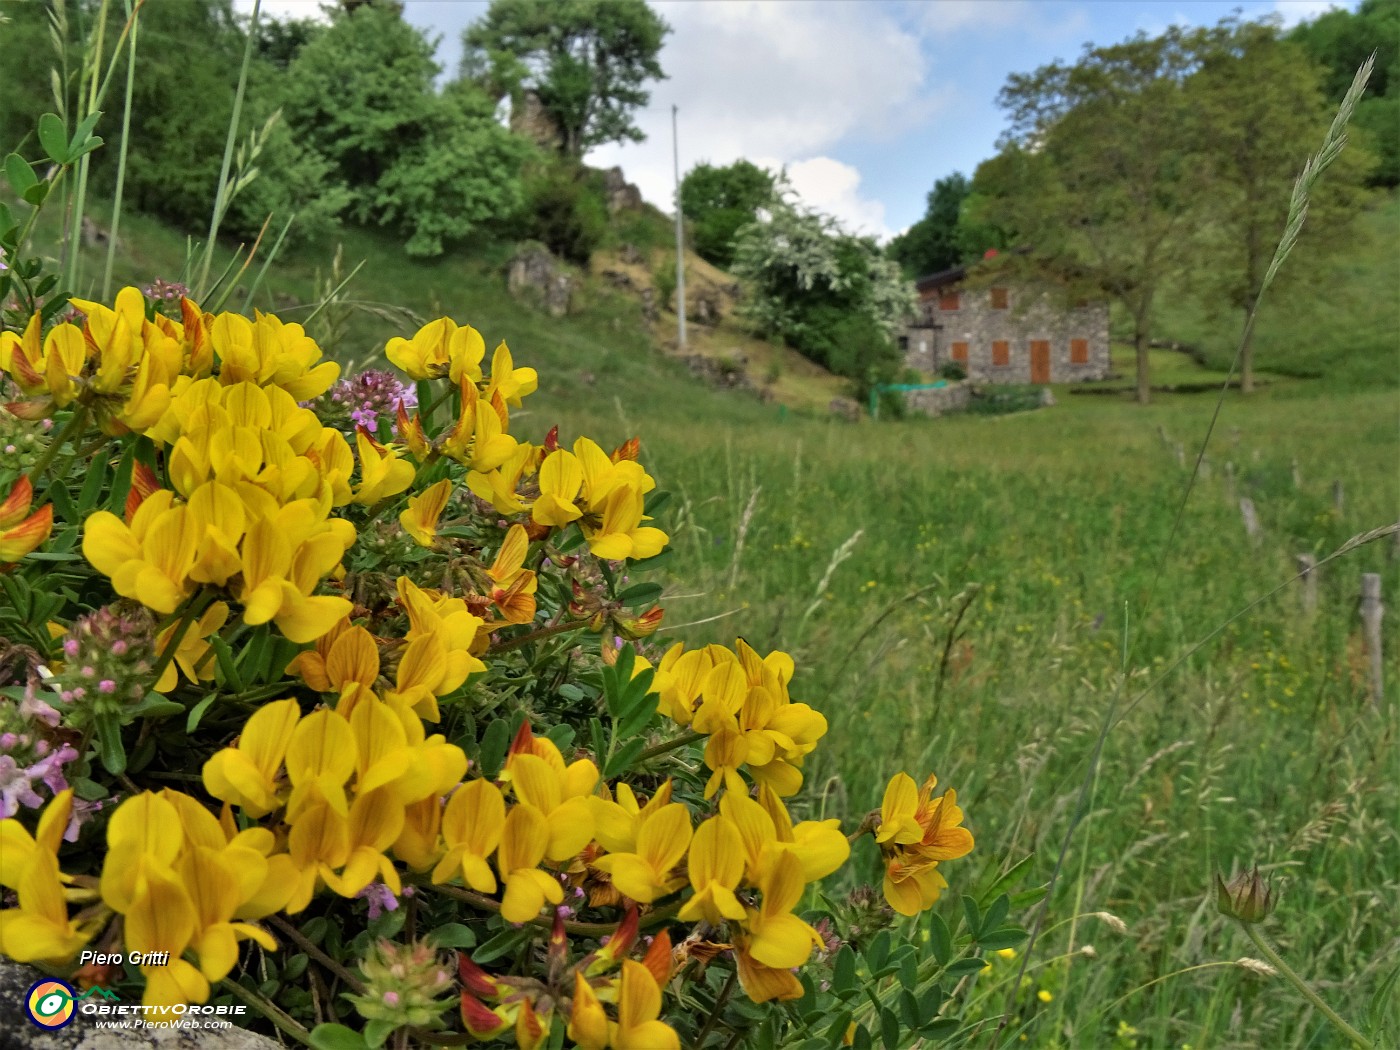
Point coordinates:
[(718, 201), (1095, 177), (586, 61), (1341, 40), (834, 297), (934, 242), (1260, 112), (437, 167)]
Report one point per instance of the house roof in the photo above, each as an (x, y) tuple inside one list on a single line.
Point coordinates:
[(933, 281)]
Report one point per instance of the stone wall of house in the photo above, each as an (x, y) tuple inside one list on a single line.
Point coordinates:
[(935, 401), (1027, 317)]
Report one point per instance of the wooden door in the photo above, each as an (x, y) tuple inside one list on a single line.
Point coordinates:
[(1040, 361)]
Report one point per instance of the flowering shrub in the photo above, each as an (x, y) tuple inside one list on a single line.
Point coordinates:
[(299, 710)]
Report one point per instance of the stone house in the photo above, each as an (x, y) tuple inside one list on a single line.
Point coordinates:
[(1005, 333)]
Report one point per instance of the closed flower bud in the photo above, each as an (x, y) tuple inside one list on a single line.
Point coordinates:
[(403, 983), (1246, 897)]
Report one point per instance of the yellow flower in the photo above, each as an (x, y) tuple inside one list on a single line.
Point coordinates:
[(246, 775), (382, 473), (649, 873), (420, 519), (513, 384), (1044, 996), (440, 348), (777, 937), (561, 478), (588, 1024), (20, 531), (524, 840), (716, 867), (45, 364), (267, 352), (472, 825), (192, 656), (638, 1007), (149, 560), (561, 796)]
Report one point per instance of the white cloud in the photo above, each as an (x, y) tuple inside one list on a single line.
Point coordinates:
[(1295, 11), (834, 188), (282, 9), (779, 83)]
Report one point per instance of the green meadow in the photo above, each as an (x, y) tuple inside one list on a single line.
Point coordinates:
[(988, 598)]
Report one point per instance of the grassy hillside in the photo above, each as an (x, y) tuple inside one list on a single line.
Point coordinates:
[(1341, 324)]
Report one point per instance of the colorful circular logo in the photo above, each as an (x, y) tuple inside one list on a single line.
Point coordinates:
[(50, 1004)]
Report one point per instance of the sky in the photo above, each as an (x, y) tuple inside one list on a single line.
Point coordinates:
[(866, 103)]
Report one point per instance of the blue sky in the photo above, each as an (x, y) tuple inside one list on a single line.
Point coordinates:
[(866, 102)]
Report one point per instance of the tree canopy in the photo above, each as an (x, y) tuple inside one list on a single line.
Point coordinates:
[(717, 201), (934, 242), (586, 61), (833, 296)]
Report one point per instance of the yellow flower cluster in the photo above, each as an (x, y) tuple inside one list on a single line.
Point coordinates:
[(740, 701), (915, 832), (183, 881)]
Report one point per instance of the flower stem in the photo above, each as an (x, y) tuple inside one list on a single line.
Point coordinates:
[(291, 933), (73, 427), (193, 608), (283, 1022), (535, 636), (586, 929), (688, 737), (715, 1011), (1304, 989)]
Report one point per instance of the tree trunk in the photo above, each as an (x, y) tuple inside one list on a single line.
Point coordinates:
[(1144, 378), (1247, 352)]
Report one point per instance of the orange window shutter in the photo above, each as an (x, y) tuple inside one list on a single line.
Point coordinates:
[(948, 301), (999, 299), (1079, 351), (1001, 353), (960, 352)]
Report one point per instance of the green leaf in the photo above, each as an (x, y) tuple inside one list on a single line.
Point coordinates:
[(336, 1037), (623, 757), (862, 1038), (1380, 1003), (92, 487), (973, 915), (931, 1001), (878, 951), (121, 482), (640, 594), (909, 1009), (635, 719), (197, 711), (562, 735), (37, 194), (494, 743), (296, 966), (314, 929), (595, 732), (843, 976), (54, 138), (996, 914), (836, 1031), (939, 939), (1009, 878), (889, 1029), (504, 943), (84, 129), (963, 967), (909, 969), (21, 177), (377, 1033), (62, 502), (453, 935), (227, 666), (655, 500), (109, 745), (1006, 937), (7, 223)]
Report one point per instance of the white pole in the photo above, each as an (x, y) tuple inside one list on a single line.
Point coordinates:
[(680, 238)]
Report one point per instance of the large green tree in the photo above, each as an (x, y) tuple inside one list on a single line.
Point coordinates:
[(834, 297), (1259, 110), (934, 242), (717, 201), (587, 62), (436, 166), (1096, 176), (1341, 40)]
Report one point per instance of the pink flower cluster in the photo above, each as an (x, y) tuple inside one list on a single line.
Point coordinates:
[(373, 396)]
